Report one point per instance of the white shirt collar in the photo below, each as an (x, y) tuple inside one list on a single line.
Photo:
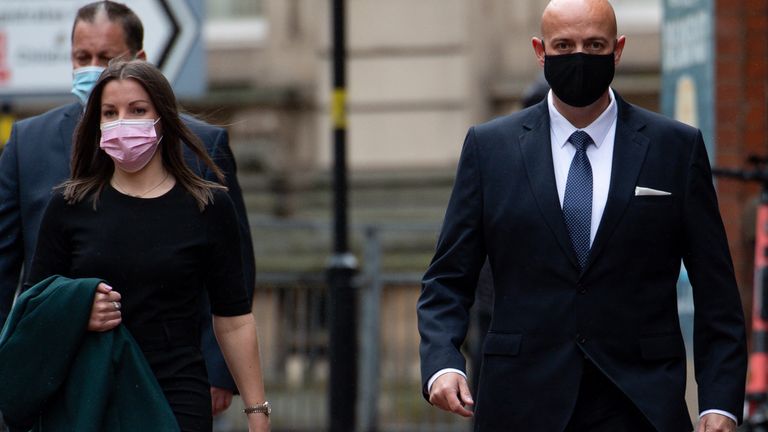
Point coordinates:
[(598, 129)]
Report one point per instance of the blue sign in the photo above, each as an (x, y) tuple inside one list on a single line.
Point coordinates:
[(688, 65)]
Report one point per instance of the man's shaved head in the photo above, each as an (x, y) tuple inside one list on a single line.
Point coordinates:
[(561, 14)]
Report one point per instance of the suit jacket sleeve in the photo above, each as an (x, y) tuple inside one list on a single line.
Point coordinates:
[(11, 245), (448, 287), (719, 338)]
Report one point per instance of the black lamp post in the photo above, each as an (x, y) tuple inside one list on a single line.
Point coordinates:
[(343, 265)]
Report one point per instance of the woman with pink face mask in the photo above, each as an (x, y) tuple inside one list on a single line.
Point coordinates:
[(134, 215)]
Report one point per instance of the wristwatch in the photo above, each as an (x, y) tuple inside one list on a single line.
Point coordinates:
[(262, 408)]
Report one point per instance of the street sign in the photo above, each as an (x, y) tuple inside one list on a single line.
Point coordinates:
[(35, 44), (687, 65)]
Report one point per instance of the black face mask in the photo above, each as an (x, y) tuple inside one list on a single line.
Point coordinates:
[(579, 79)]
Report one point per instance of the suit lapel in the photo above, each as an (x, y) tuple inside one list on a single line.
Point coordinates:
[(536, 149), (630, 147)]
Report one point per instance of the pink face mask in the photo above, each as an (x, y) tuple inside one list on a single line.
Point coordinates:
[(130, 143)]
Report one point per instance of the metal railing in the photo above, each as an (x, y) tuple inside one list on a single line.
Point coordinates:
[(290, 310)]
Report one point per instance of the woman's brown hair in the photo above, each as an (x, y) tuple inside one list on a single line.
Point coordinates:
[(92, 168)]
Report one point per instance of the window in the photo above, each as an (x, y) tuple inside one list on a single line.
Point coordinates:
[(235, 23), (229, 9), (638, 15)]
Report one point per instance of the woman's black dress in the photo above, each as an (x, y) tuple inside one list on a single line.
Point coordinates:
[(160, 254)]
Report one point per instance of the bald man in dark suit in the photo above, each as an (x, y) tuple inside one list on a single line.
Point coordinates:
[(584, 205)]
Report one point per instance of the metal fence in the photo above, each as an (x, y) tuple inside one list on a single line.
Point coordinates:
[(290, 309)]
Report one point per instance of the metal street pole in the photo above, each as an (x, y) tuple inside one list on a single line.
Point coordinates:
[(343, 265)]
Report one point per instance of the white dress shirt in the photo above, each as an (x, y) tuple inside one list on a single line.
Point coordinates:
[(600, 155)]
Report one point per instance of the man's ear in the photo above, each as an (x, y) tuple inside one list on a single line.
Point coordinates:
[(538, 49), (141, 55), (619, 49)]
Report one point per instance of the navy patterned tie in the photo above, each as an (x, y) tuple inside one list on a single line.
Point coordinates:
[(577, 202)]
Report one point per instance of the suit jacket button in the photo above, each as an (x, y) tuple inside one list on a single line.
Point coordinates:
[(583, 291), (581, 339)]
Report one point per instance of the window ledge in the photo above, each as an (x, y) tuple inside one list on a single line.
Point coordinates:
[(235, 33)]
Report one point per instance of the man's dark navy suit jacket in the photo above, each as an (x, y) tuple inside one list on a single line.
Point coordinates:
[(620, 311)]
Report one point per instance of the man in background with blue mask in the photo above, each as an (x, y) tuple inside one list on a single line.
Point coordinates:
[(37, 157)]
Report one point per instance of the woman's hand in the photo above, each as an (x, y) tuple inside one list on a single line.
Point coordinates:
[(258, 422), (105, 312), (240, 345)]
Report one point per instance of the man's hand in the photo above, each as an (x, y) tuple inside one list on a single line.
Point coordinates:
[(451, 393), (221, 399), (714, 422)]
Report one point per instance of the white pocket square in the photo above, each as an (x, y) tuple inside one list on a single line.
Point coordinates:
[(644, 191)]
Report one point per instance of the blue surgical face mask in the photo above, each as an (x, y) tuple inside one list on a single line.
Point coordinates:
[(83, 80)]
